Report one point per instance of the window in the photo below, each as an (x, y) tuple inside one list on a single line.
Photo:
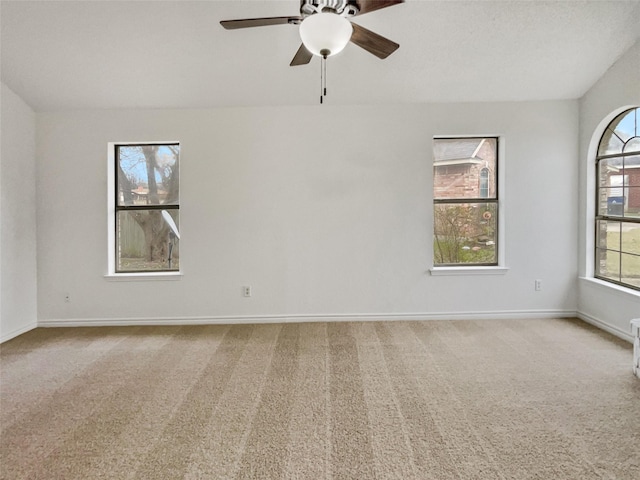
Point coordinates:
[(465, 201), (147, 207), (617, 251), (484, 183)]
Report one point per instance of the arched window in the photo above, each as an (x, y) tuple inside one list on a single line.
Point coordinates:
[(617, 246), (484, 183)]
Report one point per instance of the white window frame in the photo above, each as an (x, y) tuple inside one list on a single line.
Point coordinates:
[(112, 274), (466, 270), (592, 246)]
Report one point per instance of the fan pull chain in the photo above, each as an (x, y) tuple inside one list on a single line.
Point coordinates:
[(324, 61), (323, 76), (321, 79)]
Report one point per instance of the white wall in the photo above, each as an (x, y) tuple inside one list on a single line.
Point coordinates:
[(325, 211), (18, 299), (600, 303)]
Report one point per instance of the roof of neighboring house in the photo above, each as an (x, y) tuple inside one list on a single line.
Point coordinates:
[(615, 163), (142, 190), (461, 161), (460, 150)]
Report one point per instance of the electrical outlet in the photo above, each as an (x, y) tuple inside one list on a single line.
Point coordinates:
[(538, 285), (246, 291)]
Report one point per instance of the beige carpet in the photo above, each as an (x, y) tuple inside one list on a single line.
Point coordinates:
[(547, 399)]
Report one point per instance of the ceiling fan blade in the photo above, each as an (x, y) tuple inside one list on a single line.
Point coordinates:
[(366, 6), (372, 42), (258, 22), (302, 56)]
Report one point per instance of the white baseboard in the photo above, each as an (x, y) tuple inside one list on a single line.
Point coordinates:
[(8, 336), (352, 317), (360, 317), (596, 322)]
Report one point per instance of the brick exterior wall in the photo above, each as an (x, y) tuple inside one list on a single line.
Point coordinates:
[(463, 180), (634, 193)]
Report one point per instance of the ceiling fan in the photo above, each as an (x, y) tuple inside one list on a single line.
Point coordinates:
[(326, 28)]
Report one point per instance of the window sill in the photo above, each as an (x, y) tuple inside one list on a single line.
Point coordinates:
[(612, 287), (143, 276), (450, 271)]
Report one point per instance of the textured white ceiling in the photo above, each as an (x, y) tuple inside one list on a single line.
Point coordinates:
[(123, 54)]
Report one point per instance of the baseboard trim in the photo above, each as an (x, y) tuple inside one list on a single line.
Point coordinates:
[(357, 317), (602, 325), (19, 331)]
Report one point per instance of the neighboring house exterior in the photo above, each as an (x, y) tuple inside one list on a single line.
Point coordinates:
[(616, 192), (634, 193), (141, 195), (463, 169)]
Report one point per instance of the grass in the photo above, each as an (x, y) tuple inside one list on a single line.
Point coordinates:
[(453, 252), (143, 265), (630, 263)]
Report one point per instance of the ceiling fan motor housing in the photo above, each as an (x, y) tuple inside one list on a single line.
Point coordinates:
[(341, 7)]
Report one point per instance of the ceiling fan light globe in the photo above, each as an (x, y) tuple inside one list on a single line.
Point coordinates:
[(324, 32)]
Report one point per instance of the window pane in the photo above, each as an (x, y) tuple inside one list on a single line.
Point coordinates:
[(608, 264), (608, 167), (608, 234), (632, 171), (148, 174), (625, 125), (465, 233), (602, 201), (632, 145), (611, 201), (610, 143), (147, 240), (632, 202), (458, 164), (630, 269), (630, 238), (619, 131)]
